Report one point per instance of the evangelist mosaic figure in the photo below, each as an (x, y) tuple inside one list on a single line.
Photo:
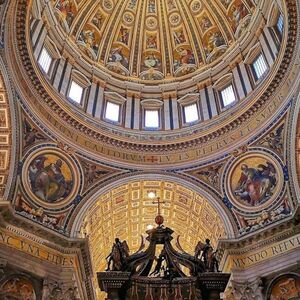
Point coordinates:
[(256, 184), (49, 178)]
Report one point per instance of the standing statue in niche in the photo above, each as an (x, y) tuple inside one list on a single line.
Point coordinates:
[(207, 255), (118, 255)]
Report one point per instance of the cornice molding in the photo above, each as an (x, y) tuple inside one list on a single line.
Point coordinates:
[(266, 236), (33, 90)]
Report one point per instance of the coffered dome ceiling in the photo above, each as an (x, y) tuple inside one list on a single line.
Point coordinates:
[(154, 40), (153, 54)]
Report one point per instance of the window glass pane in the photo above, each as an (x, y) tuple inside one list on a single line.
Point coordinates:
[(45, 60), (75, 92), (280, 23), (260, 66), (112, 111), (228, 95), (191, 113), (151, 118)]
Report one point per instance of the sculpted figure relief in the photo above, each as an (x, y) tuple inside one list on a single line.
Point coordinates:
[(151, 6), (206, 253), (132, 4), (171, 5), (274, 140), (159, 264), (151, 42), (244, 291), (58, 291), (118, 255), (31, 134)]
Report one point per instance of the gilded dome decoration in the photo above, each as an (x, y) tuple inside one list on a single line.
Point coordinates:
[(150, 40), (116, 115), (104, 56)]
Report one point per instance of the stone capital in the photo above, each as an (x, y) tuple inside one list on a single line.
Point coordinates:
[(243, 290)]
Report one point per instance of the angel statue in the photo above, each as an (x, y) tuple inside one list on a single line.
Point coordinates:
[(118, 255), (159, 263), (207, 255)]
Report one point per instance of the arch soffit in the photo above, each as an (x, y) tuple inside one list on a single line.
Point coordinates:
[(293, 145), (13, 133), (220, 208)]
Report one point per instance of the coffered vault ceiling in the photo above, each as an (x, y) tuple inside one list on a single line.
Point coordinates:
[(153, 40), (126, 211)]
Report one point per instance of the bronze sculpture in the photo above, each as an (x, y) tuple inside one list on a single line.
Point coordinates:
[(118, 255), (208, 256), (137, 276)]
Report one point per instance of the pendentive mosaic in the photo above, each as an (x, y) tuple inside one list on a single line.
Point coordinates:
[(50, 177)]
